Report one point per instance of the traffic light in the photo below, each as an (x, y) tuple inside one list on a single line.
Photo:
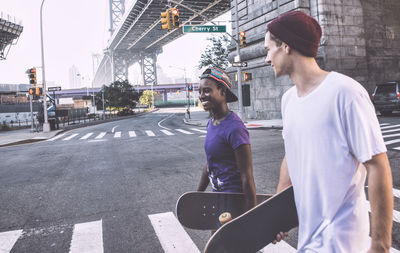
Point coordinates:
[(32, 76), (247, 76), (242, 39), (35, 91), (165, 21), (175, 17)]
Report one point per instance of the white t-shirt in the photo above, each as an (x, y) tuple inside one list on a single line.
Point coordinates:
[(328, 134)]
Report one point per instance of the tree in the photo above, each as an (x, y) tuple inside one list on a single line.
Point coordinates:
[(146, 98), (117, 94), (216, 54)]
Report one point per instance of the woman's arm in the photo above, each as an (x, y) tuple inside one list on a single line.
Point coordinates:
[(204, 181)]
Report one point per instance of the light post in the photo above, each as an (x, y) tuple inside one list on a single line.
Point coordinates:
[(187, 89), (46, 126), (239, 72)]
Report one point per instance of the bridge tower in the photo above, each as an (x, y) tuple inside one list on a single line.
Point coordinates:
[(117, 10), (148, 66)]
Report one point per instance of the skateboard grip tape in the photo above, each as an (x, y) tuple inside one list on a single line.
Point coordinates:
[(225, 217)]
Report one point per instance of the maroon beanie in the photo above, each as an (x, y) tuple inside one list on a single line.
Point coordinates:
[(298, 30)]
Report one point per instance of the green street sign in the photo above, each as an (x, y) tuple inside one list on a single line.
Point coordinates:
[(204, 28)]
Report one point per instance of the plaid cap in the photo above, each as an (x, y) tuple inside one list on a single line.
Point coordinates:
[(222, 78)]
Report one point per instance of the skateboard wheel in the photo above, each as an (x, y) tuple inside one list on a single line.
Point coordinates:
[(225, 217)]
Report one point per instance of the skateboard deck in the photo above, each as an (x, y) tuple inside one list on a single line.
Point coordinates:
[(200, 210), (257, 227)]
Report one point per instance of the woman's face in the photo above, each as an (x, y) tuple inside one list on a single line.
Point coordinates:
[(210, 96)]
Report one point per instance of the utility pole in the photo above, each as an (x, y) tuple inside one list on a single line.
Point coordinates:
[(239, 73), (46, 126)]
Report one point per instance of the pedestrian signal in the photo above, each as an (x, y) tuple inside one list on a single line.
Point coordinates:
[(32, 76), (247, 76), (242, 39), (175, 17), (165, 21)]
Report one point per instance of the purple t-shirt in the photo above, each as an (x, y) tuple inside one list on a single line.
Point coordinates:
[(220, 143)]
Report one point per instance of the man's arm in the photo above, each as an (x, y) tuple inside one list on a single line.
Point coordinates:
[(284, 178), (204, 181), (245, 166), (381, 199)]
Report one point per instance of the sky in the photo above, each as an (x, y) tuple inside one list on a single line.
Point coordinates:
[(73, 31)]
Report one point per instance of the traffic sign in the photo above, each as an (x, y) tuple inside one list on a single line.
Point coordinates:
[(58, 88), (204, 28), (242, 64)]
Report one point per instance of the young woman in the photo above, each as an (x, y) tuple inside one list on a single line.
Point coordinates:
[(227, 145)]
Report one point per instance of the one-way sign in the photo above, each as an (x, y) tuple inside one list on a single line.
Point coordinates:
[(58, 88), (242, 64)]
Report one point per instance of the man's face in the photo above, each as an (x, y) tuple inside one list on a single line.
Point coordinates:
[(276, 56)]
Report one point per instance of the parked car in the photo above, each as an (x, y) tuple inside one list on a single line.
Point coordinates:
[(386, 97)]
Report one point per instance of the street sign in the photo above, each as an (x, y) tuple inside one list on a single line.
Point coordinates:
[(242, 64), (58, 88), (204, 28)]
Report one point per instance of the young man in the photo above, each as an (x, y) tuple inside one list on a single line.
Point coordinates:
[(332, 141)]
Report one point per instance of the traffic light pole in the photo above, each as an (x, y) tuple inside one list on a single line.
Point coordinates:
[(239, 72), (46, 126)]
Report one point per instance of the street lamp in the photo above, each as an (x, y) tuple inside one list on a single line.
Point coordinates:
[(46, 126), (187, 89)]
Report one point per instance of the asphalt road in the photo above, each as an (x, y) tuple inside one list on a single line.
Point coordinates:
[(138, 167)]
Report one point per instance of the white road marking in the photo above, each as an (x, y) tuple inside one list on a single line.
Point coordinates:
[(117, 135), (86, 136), (390, 135), (101, 135), (392, 141), (280, 247), (384, 124), (396, 193), (56, 137), (390, 131), (70, 137), (172, 236), (113, 129), (386, 127), (150, 133), (87, 237), (203, 136), (183, 131), (8, 239), (199, 130), (166, 132), (159, 123), (132, 134)]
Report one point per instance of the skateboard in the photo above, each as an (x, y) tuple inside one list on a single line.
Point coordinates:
[(257, 227), (201, 210)]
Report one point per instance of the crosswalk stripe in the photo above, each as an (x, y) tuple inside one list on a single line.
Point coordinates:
[(396, 214), (8, 239), (150, 133), (280, 247), (86, 136), (117, 135), (390, 135), (386, 127), (166, 132), (56, 137), (384, 124), (183, 131), (87, 237), (391, 130), (101, 135), (396, 193), (172, 236), (392, 141), (132, 134), (199, 130), (70, 137)]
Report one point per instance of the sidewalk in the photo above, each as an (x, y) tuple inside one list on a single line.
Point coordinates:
[(199, 117)]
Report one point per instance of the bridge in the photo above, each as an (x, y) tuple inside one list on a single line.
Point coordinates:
[(139, 37), (9, 34)]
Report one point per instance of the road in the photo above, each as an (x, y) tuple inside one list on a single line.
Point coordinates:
[(96, 186)]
